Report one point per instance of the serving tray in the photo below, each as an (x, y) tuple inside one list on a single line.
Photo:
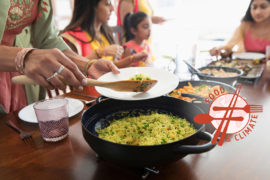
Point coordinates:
[(254, 73)]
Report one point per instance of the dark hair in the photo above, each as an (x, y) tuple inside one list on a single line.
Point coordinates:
[(132, 21), (248, 16), (83, 16)]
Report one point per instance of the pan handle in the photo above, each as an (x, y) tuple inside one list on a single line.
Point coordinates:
[(100, 99), (196, 149)]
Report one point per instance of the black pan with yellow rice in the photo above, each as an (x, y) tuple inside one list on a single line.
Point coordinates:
[(100, 116), (147, 129)]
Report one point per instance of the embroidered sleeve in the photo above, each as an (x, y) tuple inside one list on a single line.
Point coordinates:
[(44, 33)]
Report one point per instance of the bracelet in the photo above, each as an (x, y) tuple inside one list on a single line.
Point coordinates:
[(99, 52), (20, 58), (87, 66)]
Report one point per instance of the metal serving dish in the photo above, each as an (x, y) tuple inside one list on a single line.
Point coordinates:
[(229, 80), (253, 73)]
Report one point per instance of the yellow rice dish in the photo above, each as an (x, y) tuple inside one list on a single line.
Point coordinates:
[(152, 129), (140, 77)]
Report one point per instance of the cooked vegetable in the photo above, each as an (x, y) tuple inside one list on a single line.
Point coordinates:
[(203, 90), (140, 77), (151, 129)]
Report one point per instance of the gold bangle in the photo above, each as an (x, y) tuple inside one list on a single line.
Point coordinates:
[(99, 52), (88, 65)]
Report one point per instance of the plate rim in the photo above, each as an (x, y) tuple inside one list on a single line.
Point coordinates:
[(132, 98), (31, 105), (239, 53)]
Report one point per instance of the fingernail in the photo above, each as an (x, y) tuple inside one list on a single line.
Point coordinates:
[(84, 82), (80, 88)]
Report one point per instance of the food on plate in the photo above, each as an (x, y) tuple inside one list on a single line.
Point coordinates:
[(238, 64), (218, 72), (257, 61), (202, 90), (140, 77), (150, 129)]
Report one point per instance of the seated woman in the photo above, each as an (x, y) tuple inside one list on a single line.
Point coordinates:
[(88, 35), (253, 34), (137, 28)]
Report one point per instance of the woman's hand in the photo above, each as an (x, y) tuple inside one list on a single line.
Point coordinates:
[(157, 20), (42, 65), (101, 67), (141, 56), (114, 50), (215, 51)]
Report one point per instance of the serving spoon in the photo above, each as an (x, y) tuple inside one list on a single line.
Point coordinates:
[(124, 85), (192, 69)]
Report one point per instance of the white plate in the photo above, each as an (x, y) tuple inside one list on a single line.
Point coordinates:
[(166, 83), (249, 55), (28, 114)]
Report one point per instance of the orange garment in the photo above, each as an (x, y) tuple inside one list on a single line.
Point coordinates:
[(137, 48), (12, 96)]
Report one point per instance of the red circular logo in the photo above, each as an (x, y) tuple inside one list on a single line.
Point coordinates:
[(238, 117)]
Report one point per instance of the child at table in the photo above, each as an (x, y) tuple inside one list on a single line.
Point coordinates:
[(253, 34), (137, 28)]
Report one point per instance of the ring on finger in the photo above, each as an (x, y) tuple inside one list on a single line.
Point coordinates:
[(52, 76), (61, 68)]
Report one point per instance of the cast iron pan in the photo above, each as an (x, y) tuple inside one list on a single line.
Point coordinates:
[(101, 114)]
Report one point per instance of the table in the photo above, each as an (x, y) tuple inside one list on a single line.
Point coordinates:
[(72, 158)]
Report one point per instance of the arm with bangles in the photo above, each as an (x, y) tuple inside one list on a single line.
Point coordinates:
[(128, 60), (93, 67), (124, 62), (39, 64), (114, 50)]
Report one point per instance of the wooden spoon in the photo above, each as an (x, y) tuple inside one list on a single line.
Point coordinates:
[(206, 118), (125, 85)]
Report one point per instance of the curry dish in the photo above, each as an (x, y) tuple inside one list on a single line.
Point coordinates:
[(151, 129), (219, 73), (202, 90)]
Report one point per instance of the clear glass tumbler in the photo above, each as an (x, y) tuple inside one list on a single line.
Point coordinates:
[(52, 116)]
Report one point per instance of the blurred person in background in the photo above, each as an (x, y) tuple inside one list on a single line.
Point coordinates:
[(133, 6), (253, 34), (89, 35), (137, 28)]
